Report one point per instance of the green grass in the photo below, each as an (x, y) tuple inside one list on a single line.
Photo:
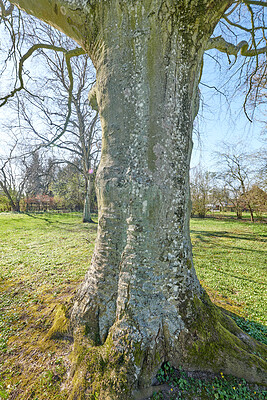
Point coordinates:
[(231, 259), (43, 257), (232, 215), (42, 252), (44, 249)]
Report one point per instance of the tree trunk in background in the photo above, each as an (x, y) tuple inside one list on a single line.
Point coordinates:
[(239, 213), (141, 298), (15, 206), (87, 202), (251, 212)]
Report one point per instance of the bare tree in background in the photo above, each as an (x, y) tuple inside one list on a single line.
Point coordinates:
[(13, 178), (200, 188), (141, 303), (42, 112), (238, 172)]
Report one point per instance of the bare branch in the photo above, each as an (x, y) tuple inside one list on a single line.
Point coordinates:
[(257, 61), (68, 55), (254, 2), (5, 12), (222, 45), (243, 28), (232, 10), (213, 87)]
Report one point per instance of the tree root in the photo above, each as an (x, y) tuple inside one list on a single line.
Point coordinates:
[(123, 367), (215, 343)]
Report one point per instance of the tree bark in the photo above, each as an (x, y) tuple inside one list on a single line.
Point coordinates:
[(141, 299), (15, 206), (87, 200), (251, 212), (146, 80), (141, 290)]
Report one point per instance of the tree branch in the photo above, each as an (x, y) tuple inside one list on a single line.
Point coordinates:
[(257, 60), (254, 2), (222, 45), (242, 27), (232, 10), (68, 55), (5, 12)]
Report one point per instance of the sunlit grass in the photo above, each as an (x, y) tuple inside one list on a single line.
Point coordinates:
[(44, 249), (39, 253), (231, 259), (43, 257)]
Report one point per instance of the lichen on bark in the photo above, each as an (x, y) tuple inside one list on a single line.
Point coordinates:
[(141, 303)]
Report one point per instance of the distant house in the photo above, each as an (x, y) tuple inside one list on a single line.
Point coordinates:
[(213, 207), (40, 202), (224, 206)]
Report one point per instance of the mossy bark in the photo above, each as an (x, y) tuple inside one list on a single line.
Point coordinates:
[(141, 303)]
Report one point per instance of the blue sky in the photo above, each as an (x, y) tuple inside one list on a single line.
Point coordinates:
[(221, 117), (221, 122)]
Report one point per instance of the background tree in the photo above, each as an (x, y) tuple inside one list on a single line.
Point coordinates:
[(69, 186), (35, 173), (258, 200), (200, 188), (12, 178), (40, 117), (141, 299), (238, 173), (260, 159), (4, 203), (220, 195)]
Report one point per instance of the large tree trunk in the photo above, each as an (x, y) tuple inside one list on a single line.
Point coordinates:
[(147, 76), (141, 302), (141, 291)]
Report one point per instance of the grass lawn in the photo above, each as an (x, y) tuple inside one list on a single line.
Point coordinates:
[(231, 261), (43, 257)]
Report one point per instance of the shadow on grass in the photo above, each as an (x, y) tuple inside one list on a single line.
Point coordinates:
[(61, 224), (35, 216), (235, 276), (233, 218), (224, 234), (205, 237)]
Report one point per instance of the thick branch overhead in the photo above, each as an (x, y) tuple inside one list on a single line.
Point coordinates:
[(222, 45), (60, 14)]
